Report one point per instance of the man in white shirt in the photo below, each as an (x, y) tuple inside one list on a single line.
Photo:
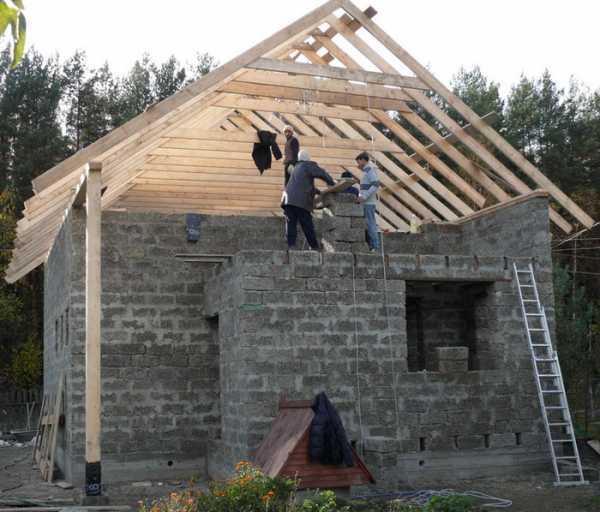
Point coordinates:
[(369, 185)]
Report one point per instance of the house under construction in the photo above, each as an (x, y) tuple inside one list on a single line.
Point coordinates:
[(173, 356)]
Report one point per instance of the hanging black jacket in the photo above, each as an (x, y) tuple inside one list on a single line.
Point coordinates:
[(261, 153), (328, 442)]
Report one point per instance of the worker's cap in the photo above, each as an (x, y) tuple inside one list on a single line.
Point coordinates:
[(362, 156), (288, 128), (303, 156), (347, 174)]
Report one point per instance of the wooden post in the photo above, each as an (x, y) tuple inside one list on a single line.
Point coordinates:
[(93, 288)]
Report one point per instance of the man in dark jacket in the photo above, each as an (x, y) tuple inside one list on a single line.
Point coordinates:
[(298, 199), (290, 152)]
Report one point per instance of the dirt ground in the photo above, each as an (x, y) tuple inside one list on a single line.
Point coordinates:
[(20, 482)]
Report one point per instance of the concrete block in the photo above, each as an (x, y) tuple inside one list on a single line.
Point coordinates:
[(452, 353), (470, 442), (445, 366), (347, 210), (258, 283)]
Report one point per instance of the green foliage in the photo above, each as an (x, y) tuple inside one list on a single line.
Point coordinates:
[(449, 504), (482, 96), (324, 501), (249, 490), (13, 15), (574, 317), (25, 371), (398, 506)]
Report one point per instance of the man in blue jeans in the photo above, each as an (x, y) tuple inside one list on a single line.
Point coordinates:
[(369, 185)]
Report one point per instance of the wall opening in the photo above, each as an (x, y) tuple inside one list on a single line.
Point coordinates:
[(448, 314)]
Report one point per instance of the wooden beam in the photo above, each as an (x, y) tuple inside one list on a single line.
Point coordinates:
[(243, 151), (433, 160), (171, 105), (425, 176), (479, 150), (455, 102), (305, 141), (490, 118), (310, 96), (14, 275), (322, 71), (394, 169), (292, 107), (93, 314), (325, 85), (443, 144)]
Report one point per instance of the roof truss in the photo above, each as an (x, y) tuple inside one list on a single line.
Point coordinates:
[(191, 152)]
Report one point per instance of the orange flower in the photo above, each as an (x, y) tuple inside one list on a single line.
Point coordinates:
[(267, 496)]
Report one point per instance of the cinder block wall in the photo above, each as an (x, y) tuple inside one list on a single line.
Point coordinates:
[(172, 383), (160, 372), (291, 326)]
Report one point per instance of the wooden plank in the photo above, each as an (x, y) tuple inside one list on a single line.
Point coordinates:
[(484, 154), (424, 176), (325, 85), (262, 190), (198, 198), (54, 427), (168, 107), (305, 141), (38, 438), (397, 171), (404, 204), (427, 77), (17, 270), (443, 144), (335, 51), (490, 118), (433, 160), (292, 107), (93, 291), (403, 178), (243, 151), (223, 211), (441, 116), (323, 71), (312, 96)]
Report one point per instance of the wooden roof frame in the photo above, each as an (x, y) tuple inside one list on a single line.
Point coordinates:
[(189, 152)]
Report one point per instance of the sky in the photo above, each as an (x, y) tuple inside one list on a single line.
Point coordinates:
[(505, 38)]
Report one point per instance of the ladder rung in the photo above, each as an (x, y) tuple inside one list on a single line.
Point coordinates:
[(569, 474), (566, 457), (529, 300), (549, 375), (536, 329), (526, 286), (561, 424), (540, 345), (562, 440), (554, 407), (546, 360), (551, 391), (534, 314)]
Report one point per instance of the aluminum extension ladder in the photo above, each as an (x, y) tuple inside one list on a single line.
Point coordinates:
[(549, 381)]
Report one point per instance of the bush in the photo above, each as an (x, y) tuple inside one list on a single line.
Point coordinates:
[(449, 504), (249, 490), (25, 371)]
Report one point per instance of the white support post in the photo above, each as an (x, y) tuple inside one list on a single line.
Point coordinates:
[(93, 289)]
